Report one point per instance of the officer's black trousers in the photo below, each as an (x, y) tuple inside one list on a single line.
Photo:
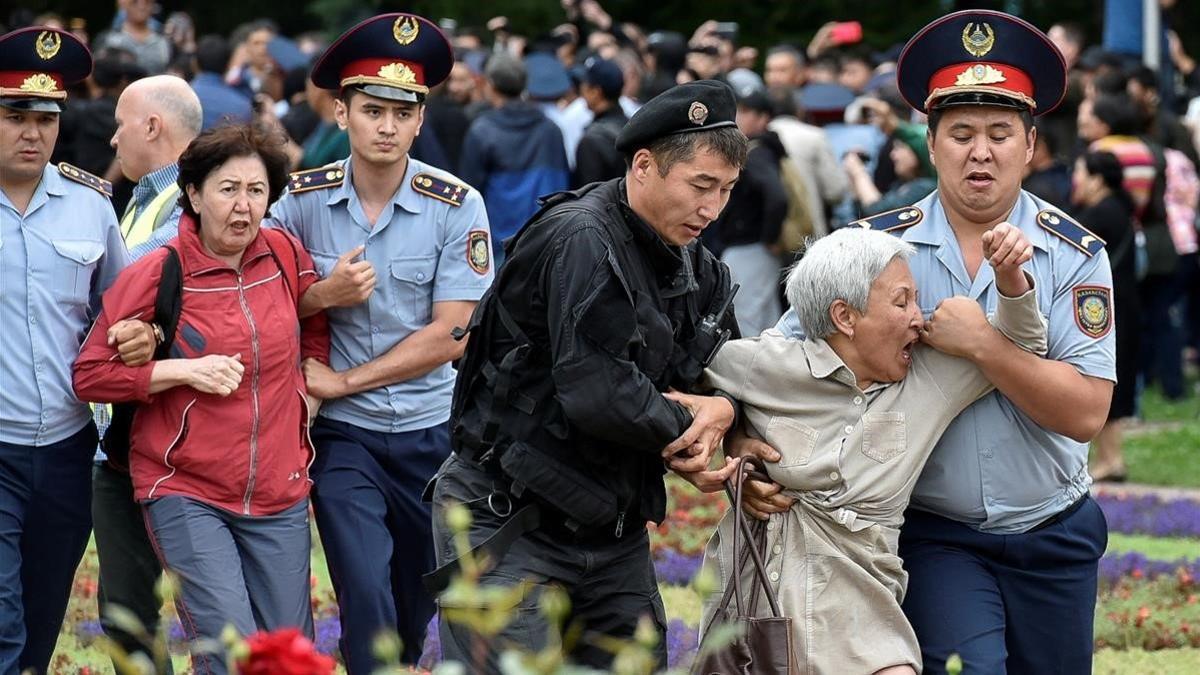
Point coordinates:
[(610, 581)]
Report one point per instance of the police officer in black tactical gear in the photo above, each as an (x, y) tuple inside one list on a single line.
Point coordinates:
[(571, 400)]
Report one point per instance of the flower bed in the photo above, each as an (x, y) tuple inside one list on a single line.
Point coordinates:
[(1144, 603), (1152, 515)]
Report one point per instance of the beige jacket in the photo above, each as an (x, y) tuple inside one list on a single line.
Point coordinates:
[(850, 457)]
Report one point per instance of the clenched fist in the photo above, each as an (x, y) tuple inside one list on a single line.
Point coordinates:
[(957, 326), (1006, 248), (216, 374), (134, 341)]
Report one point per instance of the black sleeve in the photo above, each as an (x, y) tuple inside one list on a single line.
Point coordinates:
[(589, 162), (774, 199), (592, 325), (1109, 222)]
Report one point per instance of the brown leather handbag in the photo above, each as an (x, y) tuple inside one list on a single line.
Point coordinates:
[(763, 645)]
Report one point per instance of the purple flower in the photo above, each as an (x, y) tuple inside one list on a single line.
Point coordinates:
[(675, 568), (431, 651), (1150, 514), (88, 629), (682, 643), (327, 631)]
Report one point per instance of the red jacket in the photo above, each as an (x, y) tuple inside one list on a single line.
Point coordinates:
[(248, 452)]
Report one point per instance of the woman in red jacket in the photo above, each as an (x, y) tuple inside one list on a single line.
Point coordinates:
[(219, 448)]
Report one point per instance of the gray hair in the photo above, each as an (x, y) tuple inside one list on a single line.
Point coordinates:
[(842, 265), (507, 75)]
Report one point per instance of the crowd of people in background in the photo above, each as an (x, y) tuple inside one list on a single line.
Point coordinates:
[(523, 116), (831, 142)]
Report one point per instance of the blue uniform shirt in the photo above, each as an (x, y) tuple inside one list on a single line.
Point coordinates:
[(419, 248), (57, 258), (995, 468)]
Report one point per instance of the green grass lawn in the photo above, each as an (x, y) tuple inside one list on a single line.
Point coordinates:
[(1155, 548), (1163, 447), (1139, 662)]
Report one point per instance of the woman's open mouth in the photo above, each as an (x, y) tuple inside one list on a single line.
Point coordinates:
[(906, 352)]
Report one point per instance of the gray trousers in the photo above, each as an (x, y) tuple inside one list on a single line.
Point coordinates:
[(250, 572), (610, 582), (757, 270)]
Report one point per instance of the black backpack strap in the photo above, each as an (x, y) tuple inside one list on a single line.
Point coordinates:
[(168, 302), (290, 273)]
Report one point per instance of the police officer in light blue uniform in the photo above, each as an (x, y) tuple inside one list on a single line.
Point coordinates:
[(60, 247), (404, 251), (1002, 541)]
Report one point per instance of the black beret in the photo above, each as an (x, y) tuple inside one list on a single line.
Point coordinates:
[(695, 106), (984, 57)]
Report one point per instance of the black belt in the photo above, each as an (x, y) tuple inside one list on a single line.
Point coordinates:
[(1061, 515)]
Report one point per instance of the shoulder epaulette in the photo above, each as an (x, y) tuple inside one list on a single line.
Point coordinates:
[(331, 175), (80, 176), (1069, 230), (891, 221), (440, 189)]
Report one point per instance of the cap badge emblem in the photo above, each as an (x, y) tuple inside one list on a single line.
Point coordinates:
[(979, 74), (978, 39), (698, 113), (48, 44), (39, 83), (405, 30), (398, 73)]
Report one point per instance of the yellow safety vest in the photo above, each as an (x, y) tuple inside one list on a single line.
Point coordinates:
[(137, 227)]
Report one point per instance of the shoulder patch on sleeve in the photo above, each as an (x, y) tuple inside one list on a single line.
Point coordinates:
[(1069, 230), (1093, 309), (80, 176), (331, 175), (895, 221), (440, 189), (479, 255)]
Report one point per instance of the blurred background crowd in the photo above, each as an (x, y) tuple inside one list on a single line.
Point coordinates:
[(536, 98)]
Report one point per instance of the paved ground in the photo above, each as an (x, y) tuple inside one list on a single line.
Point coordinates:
[(1135, 489)]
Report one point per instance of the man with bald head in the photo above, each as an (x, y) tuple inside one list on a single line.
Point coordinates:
[(157, 117)]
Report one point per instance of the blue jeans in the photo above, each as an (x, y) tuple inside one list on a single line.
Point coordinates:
[(45, 519), (250, 572)]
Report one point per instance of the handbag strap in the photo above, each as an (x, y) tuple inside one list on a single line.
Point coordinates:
[(760, 567), (750, 553)]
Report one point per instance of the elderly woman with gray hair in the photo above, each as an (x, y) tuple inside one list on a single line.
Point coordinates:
[(855, 410)]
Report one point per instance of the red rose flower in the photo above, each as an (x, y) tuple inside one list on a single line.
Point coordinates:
[(283, 652)]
